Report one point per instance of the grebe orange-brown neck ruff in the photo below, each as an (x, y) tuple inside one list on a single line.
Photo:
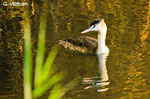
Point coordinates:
[(85, 44)]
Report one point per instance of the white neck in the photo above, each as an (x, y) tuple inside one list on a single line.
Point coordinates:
[(102, 48), (101, 38)]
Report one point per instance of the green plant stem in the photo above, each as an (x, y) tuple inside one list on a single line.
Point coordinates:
[(27, 58)]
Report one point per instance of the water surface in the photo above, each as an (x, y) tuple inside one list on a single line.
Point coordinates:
[(127, 38)]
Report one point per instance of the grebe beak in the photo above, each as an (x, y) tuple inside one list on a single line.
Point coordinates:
[(87, 30)]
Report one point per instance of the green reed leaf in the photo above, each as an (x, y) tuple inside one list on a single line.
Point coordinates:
[(49, 61), (41, 49), (45, 86)]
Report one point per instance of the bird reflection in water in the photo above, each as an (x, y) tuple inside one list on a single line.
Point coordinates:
[(99, 82)]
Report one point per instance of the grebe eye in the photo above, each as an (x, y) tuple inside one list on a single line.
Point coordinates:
[(93, 26)]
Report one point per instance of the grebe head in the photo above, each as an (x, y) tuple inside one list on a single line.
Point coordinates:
[(96, 25)]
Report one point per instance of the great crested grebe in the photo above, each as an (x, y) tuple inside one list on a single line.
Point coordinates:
[(87, 44)]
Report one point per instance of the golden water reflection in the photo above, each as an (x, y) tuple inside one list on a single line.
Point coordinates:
[(144, 34), (128, 38)]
